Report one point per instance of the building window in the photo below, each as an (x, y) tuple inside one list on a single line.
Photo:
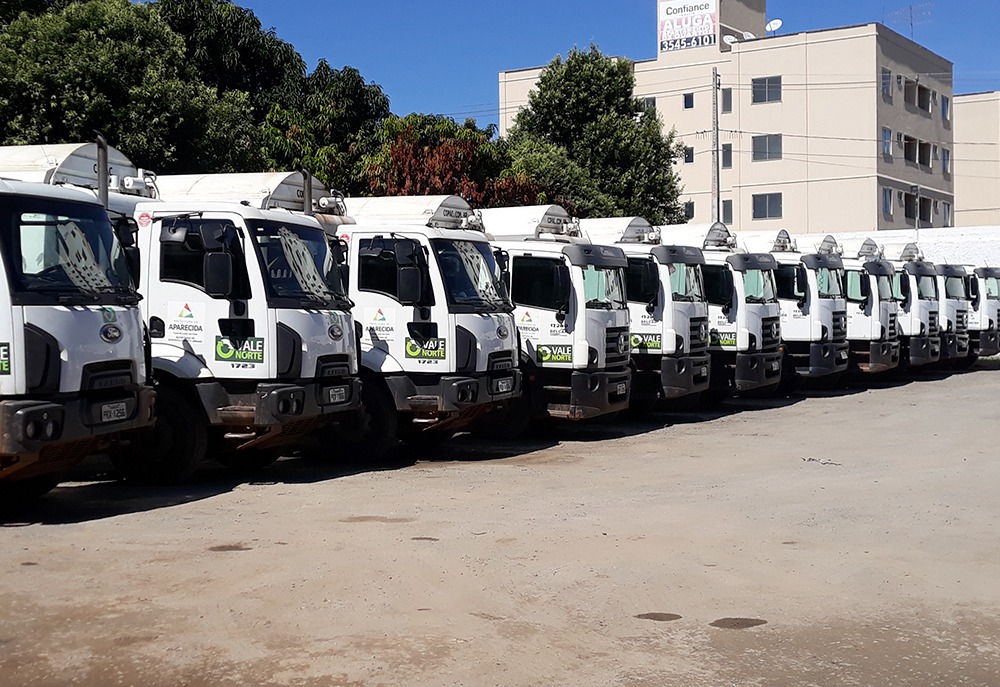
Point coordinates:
[(689, 101), (767, 89), (924, 153), (887, 83), (945, 108), (886, 141), (727, 100), (946, 160), (688, 155), (887, 201), (649, 104), (727, 212), (727, 155), (767, 206), (947, 214), (689, 209), (910, 147), (767, 147)]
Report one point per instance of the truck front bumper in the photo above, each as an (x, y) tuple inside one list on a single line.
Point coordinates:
[(954, 346), (45, 437), (757, 370), (824, 359), (877, 356), (922, 350), (985, 344), (684, 376), (592, 394), (453, 394)]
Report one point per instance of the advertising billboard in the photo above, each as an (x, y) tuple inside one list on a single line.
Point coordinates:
[(688, 24)]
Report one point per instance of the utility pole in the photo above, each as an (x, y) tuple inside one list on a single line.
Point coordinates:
[(716, 173)]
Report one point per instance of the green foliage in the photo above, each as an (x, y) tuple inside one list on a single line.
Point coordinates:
[(328, 127), (584, 135), (429, 154), (115, 66)]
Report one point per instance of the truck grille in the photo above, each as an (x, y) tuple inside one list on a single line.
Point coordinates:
[(839, 326), (962, 322), (333, 366), (615, 355), (933, 325), (771, 334), (501, 361), (892, 333), (698, 341)]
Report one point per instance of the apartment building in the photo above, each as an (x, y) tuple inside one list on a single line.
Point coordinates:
[(834, 130), (977, 147)]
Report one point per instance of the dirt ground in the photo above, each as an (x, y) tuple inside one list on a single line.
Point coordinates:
[(848, 538)]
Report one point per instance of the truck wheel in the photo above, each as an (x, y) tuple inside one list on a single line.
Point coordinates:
[(374, 429), (170, 451)]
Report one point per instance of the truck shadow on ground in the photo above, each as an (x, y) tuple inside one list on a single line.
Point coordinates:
[(861, 383)]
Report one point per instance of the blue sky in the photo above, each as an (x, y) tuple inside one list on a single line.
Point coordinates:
[(443, 56)]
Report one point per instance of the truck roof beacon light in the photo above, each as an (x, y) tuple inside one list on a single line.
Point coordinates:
[(784, 243), (719, 236), (911, 252), (829, 246), (869, 249)]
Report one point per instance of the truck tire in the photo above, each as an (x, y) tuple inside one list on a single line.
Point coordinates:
[(169, 452)]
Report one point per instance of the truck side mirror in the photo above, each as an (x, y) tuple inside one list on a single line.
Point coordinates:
[(973, 291), (729, 287), (904, 286), (217, 269), (408, 253), (503, 260), (650, 284), (801, 281), (866, 288), (126, 229), (132, 259), (409, 285)]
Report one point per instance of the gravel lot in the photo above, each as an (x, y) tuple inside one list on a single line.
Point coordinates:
[(846, 538)]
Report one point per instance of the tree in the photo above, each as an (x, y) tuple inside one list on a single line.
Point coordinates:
[(429, 155), (583, 112), (117, 66), (328, 127)]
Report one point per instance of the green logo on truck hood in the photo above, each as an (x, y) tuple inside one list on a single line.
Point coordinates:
[(246, 351), (4, 358), (554, 354), (647, 342), (431, 349)]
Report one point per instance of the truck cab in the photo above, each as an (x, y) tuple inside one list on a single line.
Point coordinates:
[(72, 362), (667, 308), (983, 285), (872, 310), (813, 307), (744, 316), (953, 303), (571, 312), (438, 343), (253, 341), (915, 288)]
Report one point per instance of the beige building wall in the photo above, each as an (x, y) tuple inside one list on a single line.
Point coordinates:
[(977, 151), (832, 174)]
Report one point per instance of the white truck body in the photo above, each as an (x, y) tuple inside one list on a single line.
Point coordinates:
[(984, 310), (72, 359), (667, 307), (872, 309), (263, 190), (438, 340), (813, 307), (571, 312), (953, 304), (915, 287), (743, 309)]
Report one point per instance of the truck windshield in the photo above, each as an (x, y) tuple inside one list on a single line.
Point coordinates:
[(954, 287), (297, 263), (686, 283), (759, 286), (63, 252), (993, 289), (927, 288), (604, 287), (471, 276), (830, 283), (885, 288)]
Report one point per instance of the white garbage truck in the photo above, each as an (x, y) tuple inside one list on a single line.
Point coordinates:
[(872, 309), (72, 362), (438, 342), (669, 313), (915, 288), (953, 304), (983, 284), (743, 310), (571, 311), (813, 307)]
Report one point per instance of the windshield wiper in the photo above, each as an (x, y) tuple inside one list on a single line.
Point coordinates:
[(599, 305), (123, 294), (757, 299)]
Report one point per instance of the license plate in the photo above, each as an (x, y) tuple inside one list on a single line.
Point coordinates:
[(336, 394), (505, 385), (704, 371), (622, 388), (842, 355), (114, 412), (775, 366)]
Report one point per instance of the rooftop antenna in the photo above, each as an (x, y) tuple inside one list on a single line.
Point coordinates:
[(730, 39), (773, 26), (911, 15), (748, 35)]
